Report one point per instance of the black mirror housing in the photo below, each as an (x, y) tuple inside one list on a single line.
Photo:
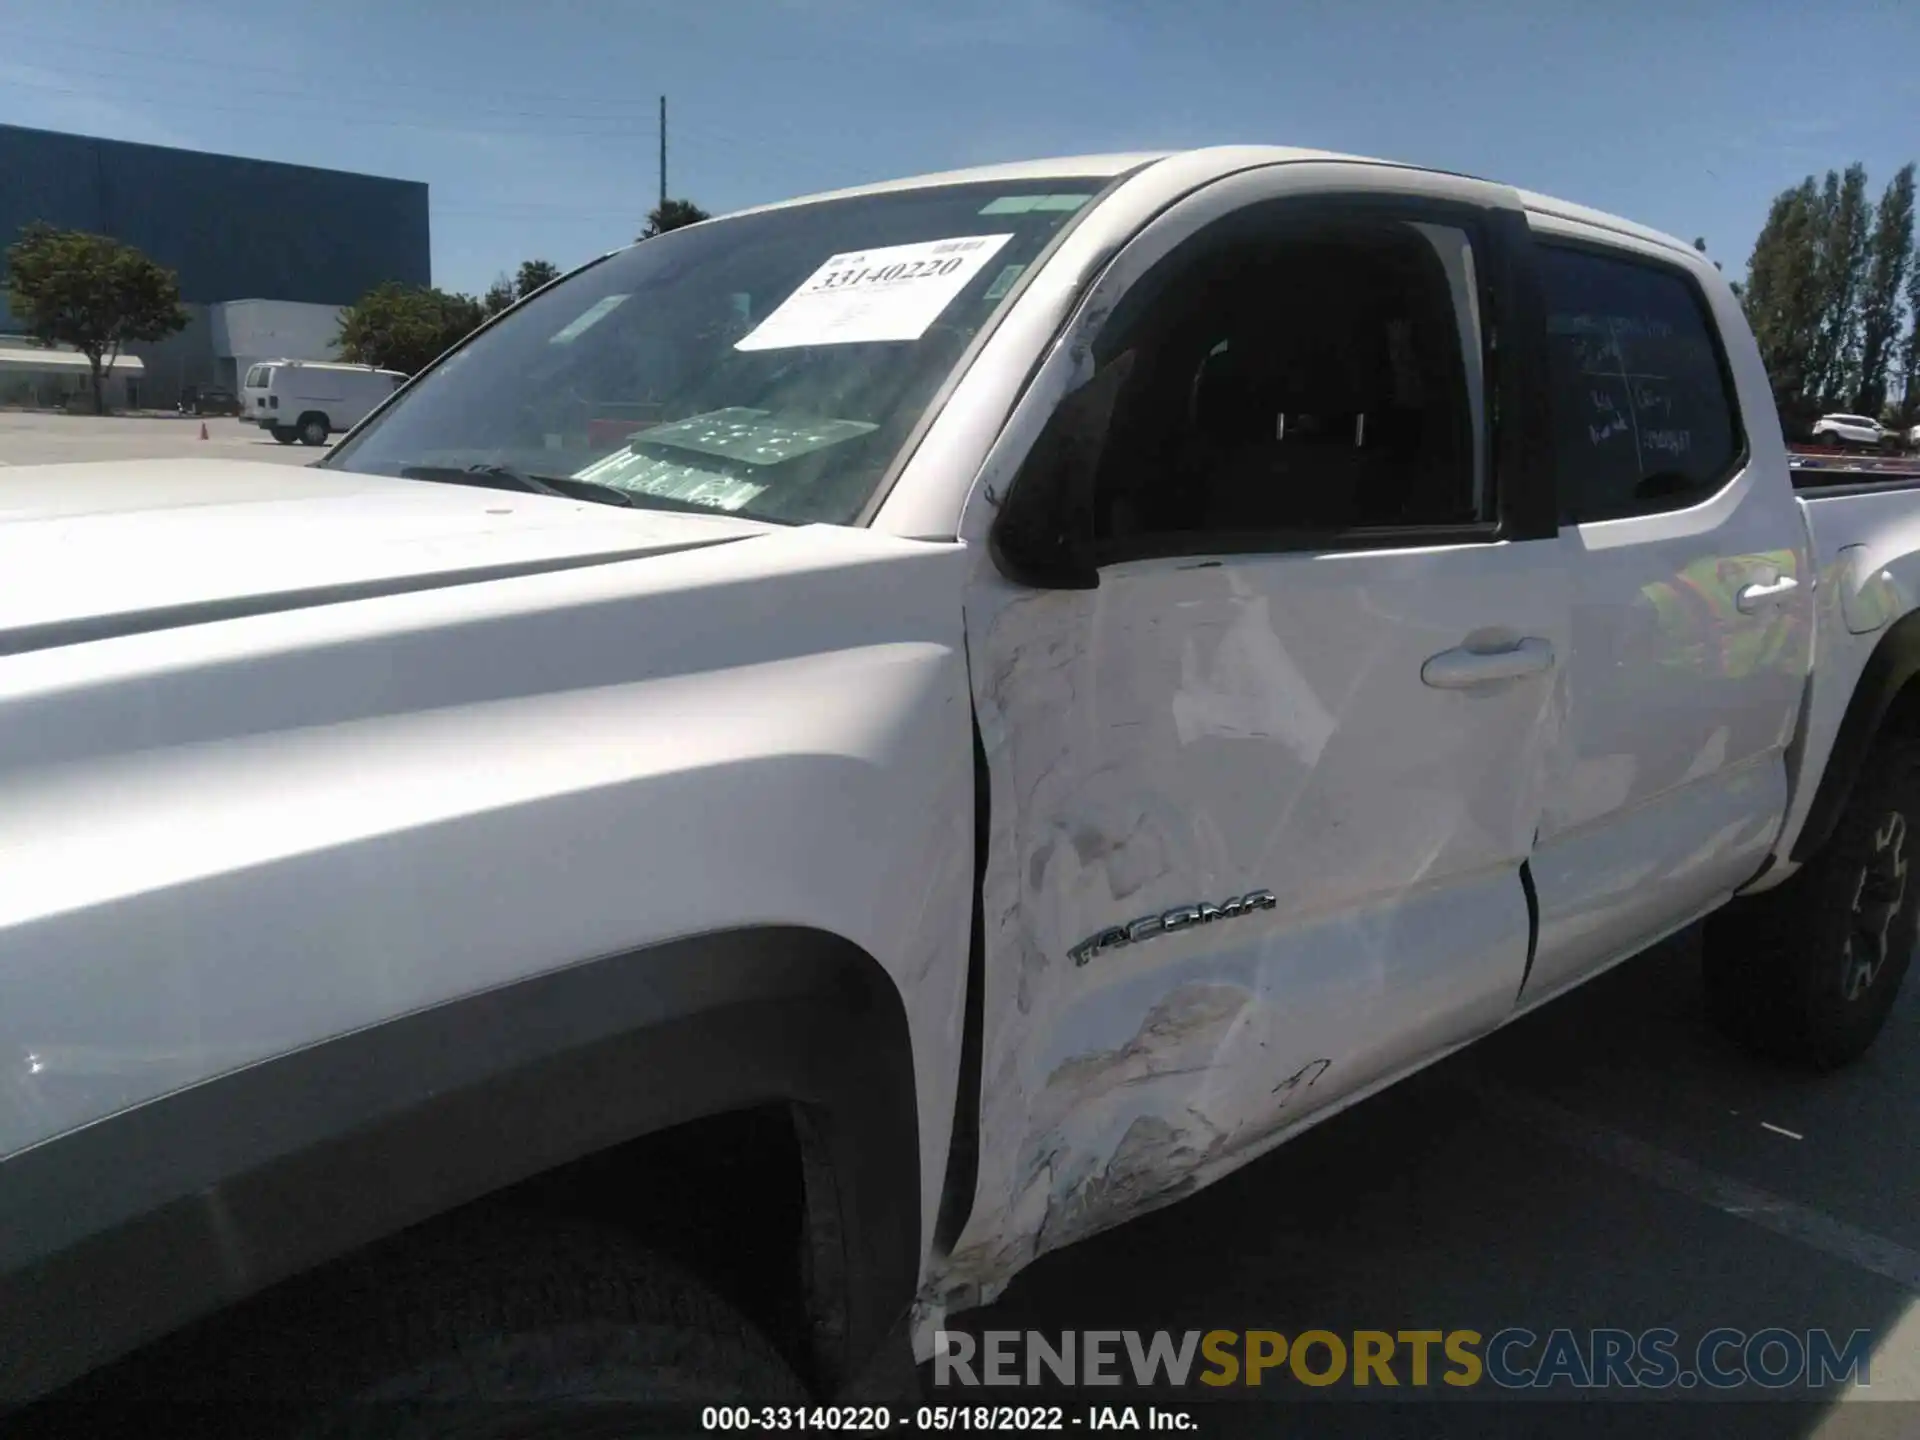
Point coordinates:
[(1043, 536)]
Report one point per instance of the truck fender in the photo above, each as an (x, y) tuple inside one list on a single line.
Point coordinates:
[(127, 1229), (1895, 661)]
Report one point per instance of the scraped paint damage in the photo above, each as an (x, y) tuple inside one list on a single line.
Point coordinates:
[(1127, 1129), (1174, 739), (1119, 1126)]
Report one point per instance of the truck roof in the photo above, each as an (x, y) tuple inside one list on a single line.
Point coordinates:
[(1226, 160)]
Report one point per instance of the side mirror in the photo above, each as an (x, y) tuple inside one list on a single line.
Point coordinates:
[(1043, 535)]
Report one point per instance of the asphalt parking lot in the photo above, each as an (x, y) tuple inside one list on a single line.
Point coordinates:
[(29, 437), (1608, 1162)]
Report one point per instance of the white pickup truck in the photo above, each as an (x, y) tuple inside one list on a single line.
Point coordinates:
[(839, 749)]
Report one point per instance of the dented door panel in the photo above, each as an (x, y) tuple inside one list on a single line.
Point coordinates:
[(1194, 732), (1142, 1086)]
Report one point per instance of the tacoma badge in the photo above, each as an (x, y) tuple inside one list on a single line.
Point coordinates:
[(1165, 922)]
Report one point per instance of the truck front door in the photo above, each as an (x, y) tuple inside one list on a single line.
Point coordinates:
[(1260, 800)]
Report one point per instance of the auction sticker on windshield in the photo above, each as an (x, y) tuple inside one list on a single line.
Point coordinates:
[(893, 293)]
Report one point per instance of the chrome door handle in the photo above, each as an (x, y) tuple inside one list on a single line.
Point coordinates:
[(1750, 598), (1461, 668)]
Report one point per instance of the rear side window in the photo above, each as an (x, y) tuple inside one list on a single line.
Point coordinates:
[(257, 376), (1643, 420)]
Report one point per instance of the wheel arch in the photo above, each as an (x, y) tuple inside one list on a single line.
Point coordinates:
[(1886, 697), (275, 1169)]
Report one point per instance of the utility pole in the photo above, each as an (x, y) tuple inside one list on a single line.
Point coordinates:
[(663, 152)]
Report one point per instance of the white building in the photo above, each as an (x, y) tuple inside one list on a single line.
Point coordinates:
[(220, 343), (245, 332), (60, 378)]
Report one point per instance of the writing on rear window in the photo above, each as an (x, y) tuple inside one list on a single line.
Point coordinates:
[(1641, 416)]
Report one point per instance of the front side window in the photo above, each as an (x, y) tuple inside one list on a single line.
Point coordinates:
[(771, 365), (1643, 420), (1298, 377)]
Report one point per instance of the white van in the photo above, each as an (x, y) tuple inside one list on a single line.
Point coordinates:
[(308, 400)]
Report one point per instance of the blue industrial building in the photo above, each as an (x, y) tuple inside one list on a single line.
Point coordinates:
[(233, 229)]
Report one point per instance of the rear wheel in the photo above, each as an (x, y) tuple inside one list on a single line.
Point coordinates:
[(284, 435), (313, 429), (1808, 971)]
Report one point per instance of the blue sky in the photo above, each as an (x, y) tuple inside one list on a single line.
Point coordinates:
[(534, 125)]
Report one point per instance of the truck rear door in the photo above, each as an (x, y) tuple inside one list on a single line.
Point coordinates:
[(1690, 593)]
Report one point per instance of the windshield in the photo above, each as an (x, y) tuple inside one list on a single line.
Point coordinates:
[(771, 365)]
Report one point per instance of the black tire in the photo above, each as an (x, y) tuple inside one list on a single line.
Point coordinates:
[(1807, 972), (283, 434), (313, 429), (505, 1327)]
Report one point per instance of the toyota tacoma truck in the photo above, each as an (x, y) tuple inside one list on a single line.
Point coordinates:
[(840, 749)]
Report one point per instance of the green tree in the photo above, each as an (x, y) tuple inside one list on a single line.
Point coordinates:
[(406, 327), (1782, 297), (504, 292), (671, 215), (532, 275), (91, 292), (1840, 278), (498, 297), (1889, 254), (1910, 361)]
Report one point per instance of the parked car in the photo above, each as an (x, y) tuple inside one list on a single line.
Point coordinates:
[(1091, 669), (207, 400), (309, 400), (1861, 430)]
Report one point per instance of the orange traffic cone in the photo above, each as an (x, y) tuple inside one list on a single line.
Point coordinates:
[(203, 429)]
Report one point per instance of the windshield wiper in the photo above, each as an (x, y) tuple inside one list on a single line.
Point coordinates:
[(586, 489), (566, 487)]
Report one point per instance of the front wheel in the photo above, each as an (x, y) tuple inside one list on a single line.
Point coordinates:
[(503, 1327), (1808, 971)]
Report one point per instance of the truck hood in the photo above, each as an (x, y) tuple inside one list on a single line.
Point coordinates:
[(97, 550)]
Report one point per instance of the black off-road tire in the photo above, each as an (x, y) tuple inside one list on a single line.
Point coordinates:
[(1807, 972), (502, 1327)]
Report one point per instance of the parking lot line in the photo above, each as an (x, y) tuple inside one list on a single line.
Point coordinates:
[(1875, 1254)]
